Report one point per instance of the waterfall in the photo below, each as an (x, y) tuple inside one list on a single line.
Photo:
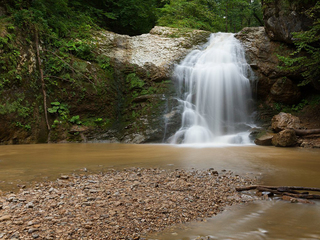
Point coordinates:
[(215, 93)]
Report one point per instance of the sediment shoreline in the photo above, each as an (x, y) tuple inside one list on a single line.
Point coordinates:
[(118, 204)]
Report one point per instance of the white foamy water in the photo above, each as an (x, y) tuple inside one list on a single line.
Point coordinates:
[(215, 92)]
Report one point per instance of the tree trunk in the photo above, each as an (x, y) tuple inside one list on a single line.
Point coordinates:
[(300, 132), (42, 79), (259, 20)]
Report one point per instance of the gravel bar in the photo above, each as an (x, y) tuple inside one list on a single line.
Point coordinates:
[(117, 204)]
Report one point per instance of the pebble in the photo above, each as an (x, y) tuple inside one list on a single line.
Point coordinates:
[(5, 218), (64, 177)]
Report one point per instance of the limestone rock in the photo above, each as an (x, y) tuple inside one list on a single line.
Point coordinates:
[(285, 138), (283, 121), (153, 54), (284, 17)]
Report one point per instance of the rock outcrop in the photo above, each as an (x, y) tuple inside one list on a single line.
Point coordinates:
[(283, 17), (152, 54), (273, 84)]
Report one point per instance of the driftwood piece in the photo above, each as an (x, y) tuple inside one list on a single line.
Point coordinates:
[(306, 196), (303, 132), (291, 191), (279, 188), (293, 200)]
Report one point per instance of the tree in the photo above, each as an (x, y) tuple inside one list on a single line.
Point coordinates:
[(131, 17), (198, 14), (237, 14), (211, 15)]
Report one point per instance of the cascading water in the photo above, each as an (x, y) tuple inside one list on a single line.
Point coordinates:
[(215, 93)]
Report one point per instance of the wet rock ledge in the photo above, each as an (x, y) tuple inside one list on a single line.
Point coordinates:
[(126, 204)]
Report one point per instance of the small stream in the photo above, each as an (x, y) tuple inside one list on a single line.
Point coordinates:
[(271, 219)]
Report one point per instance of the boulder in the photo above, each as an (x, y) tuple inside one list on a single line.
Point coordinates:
[(284, 17), (285, 138), (265, 140), (285, 91), (283, 121)]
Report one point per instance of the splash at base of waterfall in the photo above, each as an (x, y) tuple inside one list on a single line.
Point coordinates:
[(215, 94)]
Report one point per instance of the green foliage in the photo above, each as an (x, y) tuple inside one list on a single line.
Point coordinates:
[(60, 109), (131, 17), (75, 120), (224, 15), (306, 57), (104, 62), (134, 81), (98, 121), (313, 101), (197, 14), (26, 127), (19, 106), (81, 49), (56, 122)]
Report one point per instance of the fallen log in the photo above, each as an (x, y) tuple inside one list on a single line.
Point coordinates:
[(279, 188), (306, 196), (303, 132), (291, 191)]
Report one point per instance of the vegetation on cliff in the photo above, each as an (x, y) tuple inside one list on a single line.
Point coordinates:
[(306, 57)]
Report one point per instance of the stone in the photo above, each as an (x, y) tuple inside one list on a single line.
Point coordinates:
[(285, 138), (78, 128), (64, 177), (5, 218), (30, 205), (283, 121), (264, 140), (35, 235), (285, 91)]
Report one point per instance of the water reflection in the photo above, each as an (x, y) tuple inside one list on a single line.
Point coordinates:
[(23, 164), (261, 220)]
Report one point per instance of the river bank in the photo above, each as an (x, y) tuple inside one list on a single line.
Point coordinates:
[(117, 204)]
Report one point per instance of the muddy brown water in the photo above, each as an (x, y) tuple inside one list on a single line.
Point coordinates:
[(26, 164)]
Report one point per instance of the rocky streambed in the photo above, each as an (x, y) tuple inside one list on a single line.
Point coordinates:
[(117, 204)]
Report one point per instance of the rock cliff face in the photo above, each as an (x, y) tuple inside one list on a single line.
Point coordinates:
[(273, 84), (283, 17)]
